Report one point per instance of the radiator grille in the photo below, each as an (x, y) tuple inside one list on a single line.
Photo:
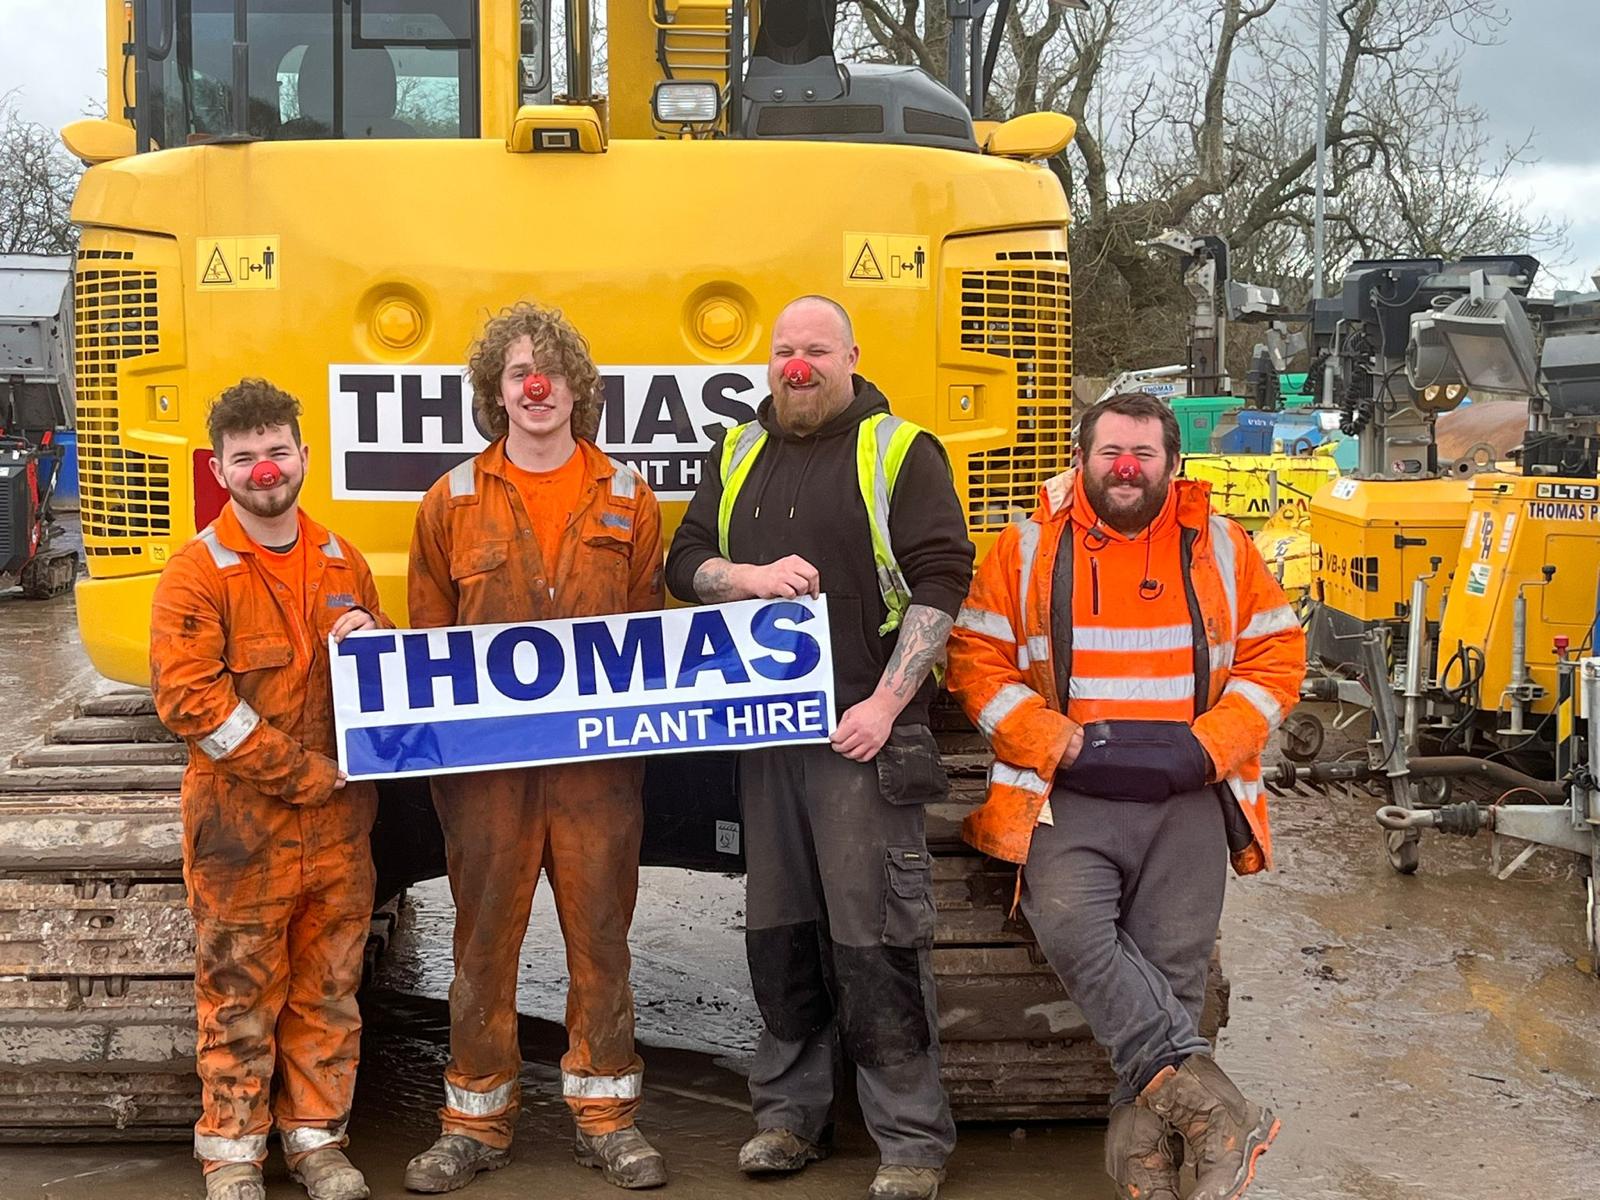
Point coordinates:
[(1021, 309), (123, 494)]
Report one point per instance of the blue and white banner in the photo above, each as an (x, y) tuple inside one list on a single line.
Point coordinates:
[(722, 677)]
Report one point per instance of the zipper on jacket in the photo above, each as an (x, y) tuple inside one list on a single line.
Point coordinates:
[(1094, 582)]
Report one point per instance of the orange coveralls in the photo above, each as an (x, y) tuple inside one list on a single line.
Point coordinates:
[(276, 860), (475, 561)]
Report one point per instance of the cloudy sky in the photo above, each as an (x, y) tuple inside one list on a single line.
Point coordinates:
[(1538, 80)]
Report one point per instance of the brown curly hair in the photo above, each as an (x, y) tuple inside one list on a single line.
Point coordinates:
[(558, 349), (249, 405)]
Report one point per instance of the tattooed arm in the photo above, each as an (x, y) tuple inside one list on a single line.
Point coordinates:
[(865, 727), (717, 580)]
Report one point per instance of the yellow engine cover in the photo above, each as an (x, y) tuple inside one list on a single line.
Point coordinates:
[(1375, 537), (1517, 527), (1251, 487)]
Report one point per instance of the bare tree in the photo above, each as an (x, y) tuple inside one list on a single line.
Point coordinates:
[(1200, 114), (37, 180)]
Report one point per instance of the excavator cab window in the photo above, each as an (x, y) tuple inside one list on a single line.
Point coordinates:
[(295, 70)]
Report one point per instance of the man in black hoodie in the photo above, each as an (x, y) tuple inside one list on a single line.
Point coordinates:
[(839, 912)]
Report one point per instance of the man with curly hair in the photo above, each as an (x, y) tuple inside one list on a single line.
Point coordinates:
[(276, 853), (541, 525)]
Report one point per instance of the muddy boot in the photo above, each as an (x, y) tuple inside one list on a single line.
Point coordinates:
[(777, 1152), (1225, 1133), (905, 1183), (623, 1156), (452, 1162), (236, 1181), (326, 1174), (1140, 1155)]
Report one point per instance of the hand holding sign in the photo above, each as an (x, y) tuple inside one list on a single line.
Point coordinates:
[(783, 580)]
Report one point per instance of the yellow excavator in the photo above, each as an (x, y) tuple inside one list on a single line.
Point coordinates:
[(333, 195), (1458, 603)]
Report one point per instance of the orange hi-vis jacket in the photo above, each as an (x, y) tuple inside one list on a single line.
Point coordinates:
[(1003, 665), (224, 671)]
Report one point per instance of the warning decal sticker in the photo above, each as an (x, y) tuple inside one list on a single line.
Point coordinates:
[(893, 260), (238, 264)]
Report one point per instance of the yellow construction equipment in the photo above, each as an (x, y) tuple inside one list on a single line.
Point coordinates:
[(334, 196)]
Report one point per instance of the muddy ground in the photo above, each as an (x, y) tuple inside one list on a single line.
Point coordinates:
[(1431, 1037)]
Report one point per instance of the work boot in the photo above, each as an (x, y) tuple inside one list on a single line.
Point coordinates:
[(1140, 1155), (777, 1152), (905, 1183), (326, 1174), (452, 1162), (623, 1156), (1225, 1133), (236, 1181)]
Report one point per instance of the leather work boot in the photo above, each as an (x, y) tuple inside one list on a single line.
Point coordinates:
[(623, 1156), (905, 1183), (326, 1174), (777, 1152), (1140, 1154), (452, 1162), (236, 1181), (1225, 1133)]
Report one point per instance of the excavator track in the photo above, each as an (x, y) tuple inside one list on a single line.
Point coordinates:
[(97, 947)]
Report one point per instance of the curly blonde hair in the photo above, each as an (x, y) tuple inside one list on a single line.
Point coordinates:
[(558, 349)]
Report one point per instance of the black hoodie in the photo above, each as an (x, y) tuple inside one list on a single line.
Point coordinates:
[(801, 497)]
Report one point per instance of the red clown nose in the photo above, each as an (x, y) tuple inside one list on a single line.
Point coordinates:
[(536, 387), (266, 475), (797, 372), (1126, 468)]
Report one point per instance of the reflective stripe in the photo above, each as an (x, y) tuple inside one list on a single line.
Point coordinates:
[(463, 480), (332, 548), (299, 1141), (235, 1150), (989, 624), (1018, 777), (1112, 687), (1001, 705), (220, 554), (1274, 620), (602, 1087), (478, 1104), (625, 482), (1035, 649), (1222, 656), (1047, 815), (882, 442), (1138, 641), (225, 738), (1222, 547), (616, 521), (1027, 553), (1244, 789), (739, 446), (1260, 699)]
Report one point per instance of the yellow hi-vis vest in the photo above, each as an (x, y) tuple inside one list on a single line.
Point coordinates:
[(882, 441)]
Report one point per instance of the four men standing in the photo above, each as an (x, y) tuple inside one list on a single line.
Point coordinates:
[(1128, 684)]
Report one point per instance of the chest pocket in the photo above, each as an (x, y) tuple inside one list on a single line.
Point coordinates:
[(476, 558), (608, 529), (256, 652)]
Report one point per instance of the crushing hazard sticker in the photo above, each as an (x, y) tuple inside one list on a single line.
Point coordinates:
[(238, 264), (887, 260)]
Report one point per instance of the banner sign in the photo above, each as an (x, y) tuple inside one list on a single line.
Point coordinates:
[(482, 697), (393, 430)]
